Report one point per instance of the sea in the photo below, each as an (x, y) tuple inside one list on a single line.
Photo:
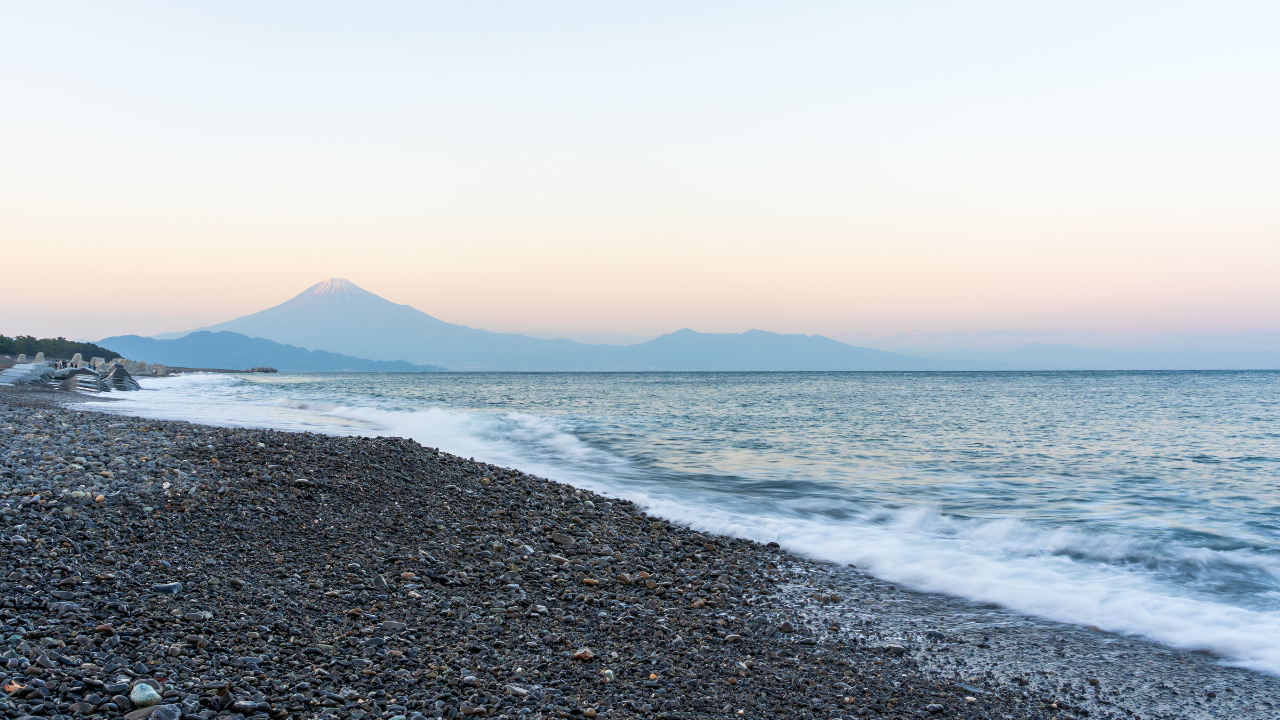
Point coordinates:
[(1143, 503)]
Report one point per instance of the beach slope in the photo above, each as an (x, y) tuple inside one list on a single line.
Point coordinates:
[(243, 572)]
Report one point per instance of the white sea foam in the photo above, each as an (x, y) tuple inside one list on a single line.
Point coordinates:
[(1108, 580)]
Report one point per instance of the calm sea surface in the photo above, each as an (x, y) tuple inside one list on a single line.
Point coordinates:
[(1144, 503)]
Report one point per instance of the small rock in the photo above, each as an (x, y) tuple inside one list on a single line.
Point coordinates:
[(732, 638), (380, 582), (583, 654), (144, 695), (167, 711), (393, 626), (172, 588), (560, 538)]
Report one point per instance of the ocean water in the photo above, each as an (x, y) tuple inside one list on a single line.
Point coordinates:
[(1142, 503)]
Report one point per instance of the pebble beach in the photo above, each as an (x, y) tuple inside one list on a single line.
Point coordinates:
[(173, 570)]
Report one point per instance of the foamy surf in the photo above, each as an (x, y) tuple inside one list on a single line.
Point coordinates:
[(1211, 590)]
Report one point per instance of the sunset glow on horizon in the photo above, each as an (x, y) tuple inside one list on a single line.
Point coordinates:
[(820, 168)]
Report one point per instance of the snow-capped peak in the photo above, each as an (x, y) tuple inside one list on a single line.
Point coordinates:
[(335, 286)]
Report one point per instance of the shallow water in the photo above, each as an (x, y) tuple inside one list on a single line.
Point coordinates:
[(1145, 503)]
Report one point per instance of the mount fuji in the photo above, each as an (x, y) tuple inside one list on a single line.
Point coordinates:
[(338, 316)]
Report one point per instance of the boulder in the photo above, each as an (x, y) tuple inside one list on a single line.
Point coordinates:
[(79, 378), (120, 379), (27, 374)]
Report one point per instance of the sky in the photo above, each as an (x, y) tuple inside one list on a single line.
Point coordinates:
[(858, 170)]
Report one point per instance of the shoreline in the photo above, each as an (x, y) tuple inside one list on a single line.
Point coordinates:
[(730, 633)]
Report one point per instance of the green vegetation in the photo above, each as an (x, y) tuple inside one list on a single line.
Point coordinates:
[(53, 348)]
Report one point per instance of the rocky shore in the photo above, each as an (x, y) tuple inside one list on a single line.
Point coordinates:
[(172, 570)]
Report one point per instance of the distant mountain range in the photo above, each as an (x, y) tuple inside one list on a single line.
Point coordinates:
[(335, 325), (233, 351), (338, 316)]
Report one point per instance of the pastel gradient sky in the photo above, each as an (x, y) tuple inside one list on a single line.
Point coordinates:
[(835, 168)]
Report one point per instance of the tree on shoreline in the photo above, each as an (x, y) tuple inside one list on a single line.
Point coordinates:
[(59, 347)]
